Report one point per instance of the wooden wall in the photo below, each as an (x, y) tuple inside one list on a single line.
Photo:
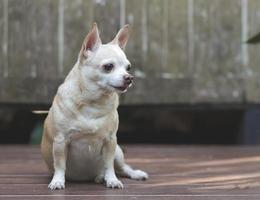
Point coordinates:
[(182, 51)]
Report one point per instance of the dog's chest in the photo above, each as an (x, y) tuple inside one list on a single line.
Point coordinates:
[(91, 120), (90, 112)]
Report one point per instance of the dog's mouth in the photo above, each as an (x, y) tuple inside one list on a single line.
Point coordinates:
[(120, 88)]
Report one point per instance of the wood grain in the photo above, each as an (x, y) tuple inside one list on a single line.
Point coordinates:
[(176, 172), (252, 68), (217, 51), (181, 51), (77, 16)]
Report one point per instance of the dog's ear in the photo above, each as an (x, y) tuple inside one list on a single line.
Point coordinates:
[(121, 37), (91, 42)]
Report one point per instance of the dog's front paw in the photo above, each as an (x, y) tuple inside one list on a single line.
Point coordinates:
[(138, 175), (57, 184), (114, 183)]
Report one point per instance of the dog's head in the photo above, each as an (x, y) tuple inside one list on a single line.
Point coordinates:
[(106, 65)]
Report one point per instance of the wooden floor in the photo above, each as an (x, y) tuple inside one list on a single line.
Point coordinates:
[(176, 172)]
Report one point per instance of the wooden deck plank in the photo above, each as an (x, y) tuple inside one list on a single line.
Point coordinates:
[(176, 172)]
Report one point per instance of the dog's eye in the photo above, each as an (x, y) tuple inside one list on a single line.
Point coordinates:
[(108, 67), (128, 67)]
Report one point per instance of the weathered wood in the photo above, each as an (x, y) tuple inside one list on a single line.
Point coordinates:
[(154, 61), (28, 90), (136, 48), (252, 68), (177, 60), (217, 51), (162, 65), (181, 51), (31, 90), (78, 15), (182, 172), (154, 90), (107, 16), (47, 28), (1, 37), (32, 40), (19, 38)]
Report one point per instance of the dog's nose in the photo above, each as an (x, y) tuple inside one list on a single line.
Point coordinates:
[(128, 78)]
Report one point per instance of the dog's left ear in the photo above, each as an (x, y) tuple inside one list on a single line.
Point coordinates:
[(121, 37)]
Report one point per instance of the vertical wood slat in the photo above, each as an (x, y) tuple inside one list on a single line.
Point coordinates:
[(154, 30), (134, 49), (60, 37), (252, 72), (107, 16), (19, 38), (122, 12), (78, 16), (244, 33), (165, 30), (144, 32), (244, 46), (4, 38), (190, 23), (136, 17), (2, 9), (178, 44), (217, 45), (47, 41)]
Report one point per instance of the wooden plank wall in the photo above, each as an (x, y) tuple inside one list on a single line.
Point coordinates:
[(182, 51)]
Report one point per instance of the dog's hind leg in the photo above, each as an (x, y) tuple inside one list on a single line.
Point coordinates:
[(124, 170)]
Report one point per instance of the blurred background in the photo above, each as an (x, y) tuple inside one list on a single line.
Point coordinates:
[(197, 80)]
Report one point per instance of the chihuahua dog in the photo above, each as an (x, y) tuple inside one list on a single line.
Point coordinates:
[(79, 139)]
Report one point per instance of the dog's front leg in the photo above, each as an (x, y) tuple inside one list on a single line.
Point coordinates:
[(59, 160), (108, 153)]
